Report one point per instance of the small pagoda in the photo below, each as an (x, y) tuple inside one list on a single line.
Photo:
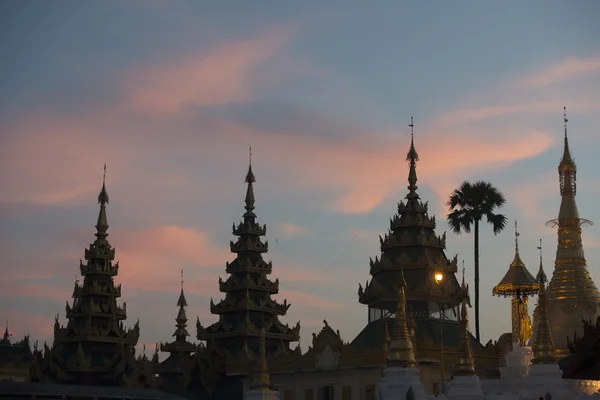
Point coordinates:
[(248, 305), (94, 348), (14, 357), (412, 247), (518, 283), (175, 370)]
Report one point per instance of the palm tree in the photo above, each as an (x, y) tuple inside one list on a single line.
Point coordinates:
[(468, 205)]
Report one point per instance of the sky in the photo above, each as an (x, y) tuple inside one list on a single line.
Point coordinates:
[(171, 95)]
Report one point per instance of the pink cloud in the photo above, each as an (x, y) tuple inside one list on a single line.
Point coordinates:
[(151, 259), (224, 74), (570, 68), (290, 230)]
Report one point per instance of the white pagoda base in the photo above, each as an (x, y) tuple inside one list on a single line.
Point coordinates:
[(544, 379), (397, 382), (465, 388), (261, 395)]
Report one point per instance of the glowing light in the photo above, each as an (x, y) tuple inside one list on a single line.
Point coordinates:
[(439, 277)]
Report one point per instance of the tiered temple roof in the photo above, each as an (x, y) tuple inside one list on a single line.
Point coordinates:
[(248, 306), (94, 348), (412, 247)]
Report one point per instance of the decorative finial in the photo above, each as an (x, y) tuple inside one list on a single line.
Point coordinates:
[(250, 156), (181, 279), (412, 157), (541, 275), (104, 177), (566, 120), (463, 271), (516, 237)]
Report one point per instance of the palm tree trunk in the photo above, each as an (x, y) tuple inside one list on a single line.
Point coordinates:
[(476, 234)]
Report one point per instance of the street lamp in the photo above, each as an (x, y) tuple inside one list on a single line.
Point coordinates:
[(439, 277)]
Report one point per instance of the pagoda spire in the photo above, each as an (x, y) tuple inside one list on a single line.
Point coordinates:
[(401, 353), (543, 346), (249, 200), (102, 224), (465, 365), (567, 168), (412, 157), (181, 333), (261, 379), (6, 337)]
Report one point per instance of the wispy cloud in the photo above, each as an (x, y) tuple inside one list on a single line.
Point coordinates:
[(565, 70), (224, 74)]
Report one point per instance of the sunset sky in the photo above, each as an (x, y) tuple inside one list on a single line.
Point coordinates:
[(172, 94)]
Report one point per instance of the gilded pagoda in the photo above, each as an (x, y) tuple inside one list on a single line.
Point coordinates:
[(248, 306), (572, 295), (94, 348)]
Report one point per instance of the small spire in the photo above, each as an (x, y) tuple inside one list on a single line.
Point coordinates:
[(543, 346), (516, 237), (181, 332), (102, 223), (465, 365), (103, 196), (401, 350), (250, 179), (517, 262), (567, 169), (7, 335), (412, 157), (182, 302), (262, 379), (541, 276)]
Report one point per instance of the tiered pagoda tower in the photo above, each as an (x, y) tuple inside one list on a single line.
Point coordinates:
[(248, 305), (571, 294), (94, 348), (175, 370), (412, 247)]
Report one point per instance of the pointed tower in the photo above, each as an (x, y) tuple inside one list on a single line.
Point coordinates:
[(401, 353), (94, 348), (571, 294), (260, 388), (175, 369), (465, 384), (518, 283), (545, 375), (401, 377), (248, 305), (411, 247)]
